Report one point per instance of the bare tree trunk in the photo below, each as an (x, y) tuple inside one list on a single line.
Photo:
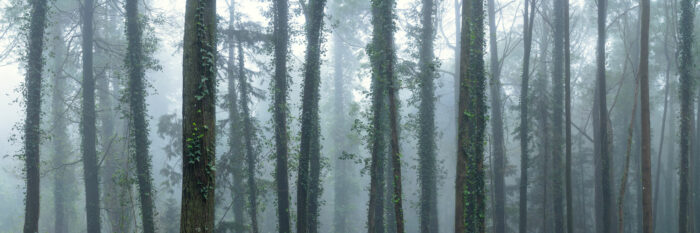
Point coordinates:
[(60, 141), (567, 121), (685, 70), (646, 131), (528, 22), (199, 119), (32, 129), (557, 115), (88, 131)]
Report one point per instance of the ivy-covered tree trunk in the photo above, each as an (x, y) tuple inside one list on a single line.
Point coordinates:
[(308, 184), (685, 69), (281, 38), (647, 218), (499, 163), (87, 123), (427, 171), (60, 140), (528, 20), (137, 112), (32, 130), (470, 203), (199, 119), (235, 137)]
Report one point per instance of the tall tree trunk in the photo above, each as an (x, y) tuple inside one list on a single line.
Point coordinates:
[(567, 121), (308, 190), (341, 223), (281, 37), (557, 115), (646, 131), (470, 203), (199, 118), (32, 129), (235, 132), (88, 131), (249, 134), (499, 164), (427, 171), (603, 194), (137, 107), (528, 22), (685, 70), (60, 143)]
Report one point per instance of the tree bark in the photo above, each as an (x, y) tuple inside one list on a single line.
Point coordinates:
[(567, 121), (281, 37), (32, 123), (685, 70), (499, 164), (199, 119), (427, 171), (308, 184), (88, 128), (528, 22), (470, 204), (647, 220), (557, 115), (137, 107), (603, 195)]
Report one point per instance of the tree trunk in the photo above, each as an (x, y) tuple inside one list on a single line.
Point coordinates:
[(249, 134), (427, 171), (646, 131), (281, 37), (603, 194), (499, 164), (32, 129), (235, 133), (137, 108), (470, 203), (88, 131), (341, 221), (567, 121), (685, 70), (60, 143), (557, 115), (199, 118), (528, 22), (308, 184)]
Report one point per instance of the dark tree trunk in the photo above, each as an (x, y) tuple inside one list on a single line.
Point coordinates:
[(137, 107), (470, 203), (32, 130), (199, 119), (375, 214), (528, 22), (685, 70), (499, 164), (603, 195), (60, 143), (235, 133), (647, 221), (557, 115), (567, 121), (427, 171), (88, 131), (308, 185), (281, 37)]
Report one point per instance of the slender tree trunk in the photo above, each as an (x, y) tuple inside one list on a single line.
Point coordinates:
[(499, 164), (567, 123), (528, 20), (199, 118), (308, 190), (646, 131), (137, 107), (60, 142), (427, 171), (604, 197), (32, 129), (235, 132), (249, 134), (685, 70), (470, 203), (281, 36), (88, 131), (557, 115)]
